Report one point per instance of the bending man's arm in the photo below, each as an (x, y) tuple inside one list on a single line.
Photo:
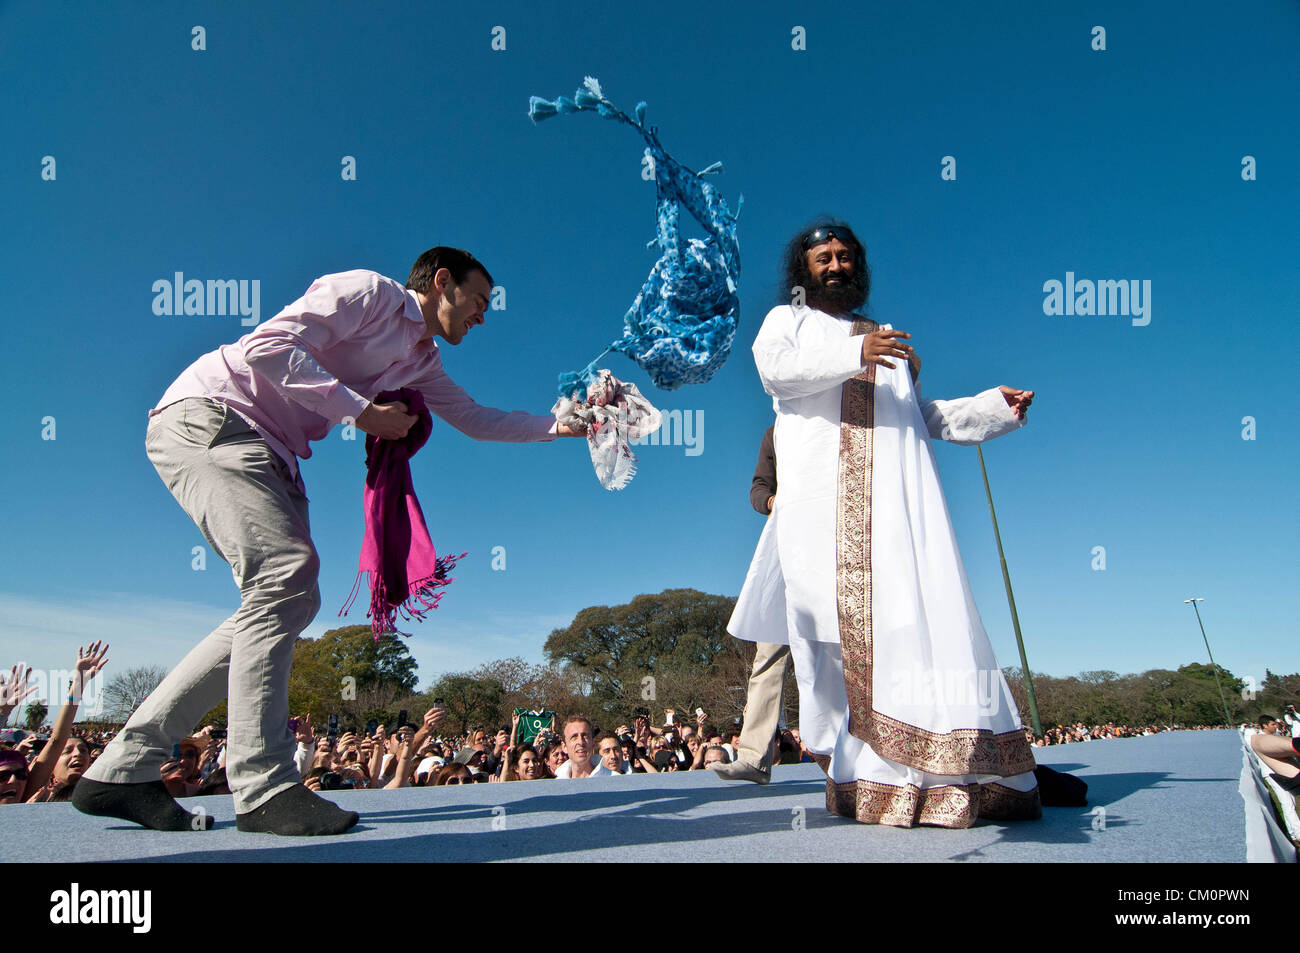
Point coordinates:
[(449, 401)]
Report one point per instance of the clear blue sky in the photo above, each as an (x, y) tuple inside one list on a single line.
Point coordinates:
[(225, 163)]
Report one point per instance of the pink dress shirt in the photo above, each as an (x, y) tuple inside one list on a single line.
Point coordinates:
[(326, 356)]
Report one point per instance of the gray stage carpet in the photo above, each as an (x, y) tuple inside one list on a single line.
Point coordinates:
[(1170, 797)]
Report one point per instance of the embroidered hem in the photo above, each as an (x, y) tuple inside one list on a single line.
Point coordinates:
[(955, 806)]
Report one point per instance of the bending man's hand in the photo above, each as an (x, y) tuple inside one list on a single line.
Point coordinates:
[(386, 421)]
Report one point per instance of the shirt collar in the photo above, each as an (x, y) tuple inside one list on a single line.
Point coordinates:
[(411, 310)]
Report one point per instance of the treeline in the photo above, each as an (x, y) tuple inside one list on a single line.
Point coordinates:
[(1188, 696)]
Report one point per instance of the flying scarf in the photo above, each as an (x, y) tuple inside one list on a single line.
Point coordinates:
[(613, 413), (405, 571), (681, 326)]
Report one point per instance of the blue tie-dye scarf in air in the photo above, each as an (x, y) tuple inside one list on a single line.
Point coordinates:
[(681, 326)]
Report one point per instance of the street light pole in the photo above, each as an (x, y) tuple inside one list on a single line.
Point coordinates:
[(1011, 600), (1227, 719)]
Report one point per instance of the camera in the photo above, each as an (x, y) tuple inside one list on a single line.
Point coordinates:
[(333, 781)]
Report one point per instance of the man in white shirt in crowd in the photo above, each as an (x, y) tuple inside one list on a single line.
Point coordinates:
[(579, 746)]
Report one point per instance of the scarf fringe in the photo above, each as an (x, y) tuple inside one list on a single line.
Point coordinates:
[(422, 596)]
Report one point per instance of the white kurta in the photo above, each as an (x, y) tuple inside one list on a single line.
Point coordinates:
[(930, 708)]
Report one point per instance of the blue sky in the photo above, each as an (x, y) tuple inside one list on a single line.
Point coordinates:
[(225, 163)]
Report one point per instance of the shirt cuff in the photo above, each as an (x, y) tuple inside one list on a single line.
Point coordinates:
[(994, 403), (342, 403)]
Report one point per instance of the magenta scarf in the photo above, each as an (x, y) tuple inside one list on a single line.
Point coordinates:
[(405, 571)]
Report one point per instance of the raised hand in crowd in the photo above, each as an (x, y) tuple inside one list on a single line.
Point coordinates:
[(304, 732), (14, 691), (86, 668), (377, 752), (405, 751), (90, 661), (348, 752), (324, 757)]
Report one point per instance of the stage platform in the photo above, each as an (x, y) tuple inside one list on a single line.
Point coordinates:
[(1170, 797)]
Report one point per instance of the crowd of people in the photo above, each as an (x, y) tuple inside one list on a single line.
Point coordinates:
[(35, 769), (1069, 734), (414, 755)]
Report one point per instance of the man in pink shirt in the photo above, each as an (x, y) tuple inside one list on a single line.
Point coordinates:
[(226, 439)]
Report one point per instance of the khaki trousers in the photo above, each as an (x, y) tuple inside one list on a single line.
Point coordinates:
[(763, 704), (253, 513)]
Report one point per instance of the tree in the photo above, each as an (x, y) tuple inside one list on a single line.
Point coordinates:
[(468, 700), (352, 652), (666, 649), (34, 717), (534, 687), (126, 691), (1278, 691)]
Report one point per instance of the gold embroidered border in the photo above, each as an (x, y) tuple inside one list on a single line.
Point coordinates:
[(853, 539), (1001, 803), (955, 806), (965, 751)]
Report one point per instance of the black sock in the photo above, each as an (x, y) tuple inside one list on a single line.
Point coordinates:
[(297, 812), (148, 804)]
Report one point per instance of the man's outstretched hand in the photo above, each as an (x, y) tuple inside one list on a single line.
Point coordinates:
[(386, 421), (564, 430), (1017, 400)]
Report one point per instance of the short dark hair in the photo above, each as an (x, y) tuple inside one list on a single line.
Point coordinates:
[(795, 261), (1266, 720), (456, 260)]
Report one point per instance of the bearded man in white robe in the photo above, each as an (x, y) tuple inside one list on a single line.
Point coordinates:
[(900, 696)]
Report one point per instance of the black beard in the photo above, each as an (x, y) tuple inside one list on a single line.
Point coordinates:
[(843, 298)]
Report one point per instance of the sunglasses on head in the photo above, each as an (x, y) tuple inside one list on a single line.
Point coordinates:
[(825, 233)]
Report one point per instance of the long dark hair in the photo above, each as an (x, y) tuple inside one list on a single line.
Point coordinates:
[(795, 262)]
